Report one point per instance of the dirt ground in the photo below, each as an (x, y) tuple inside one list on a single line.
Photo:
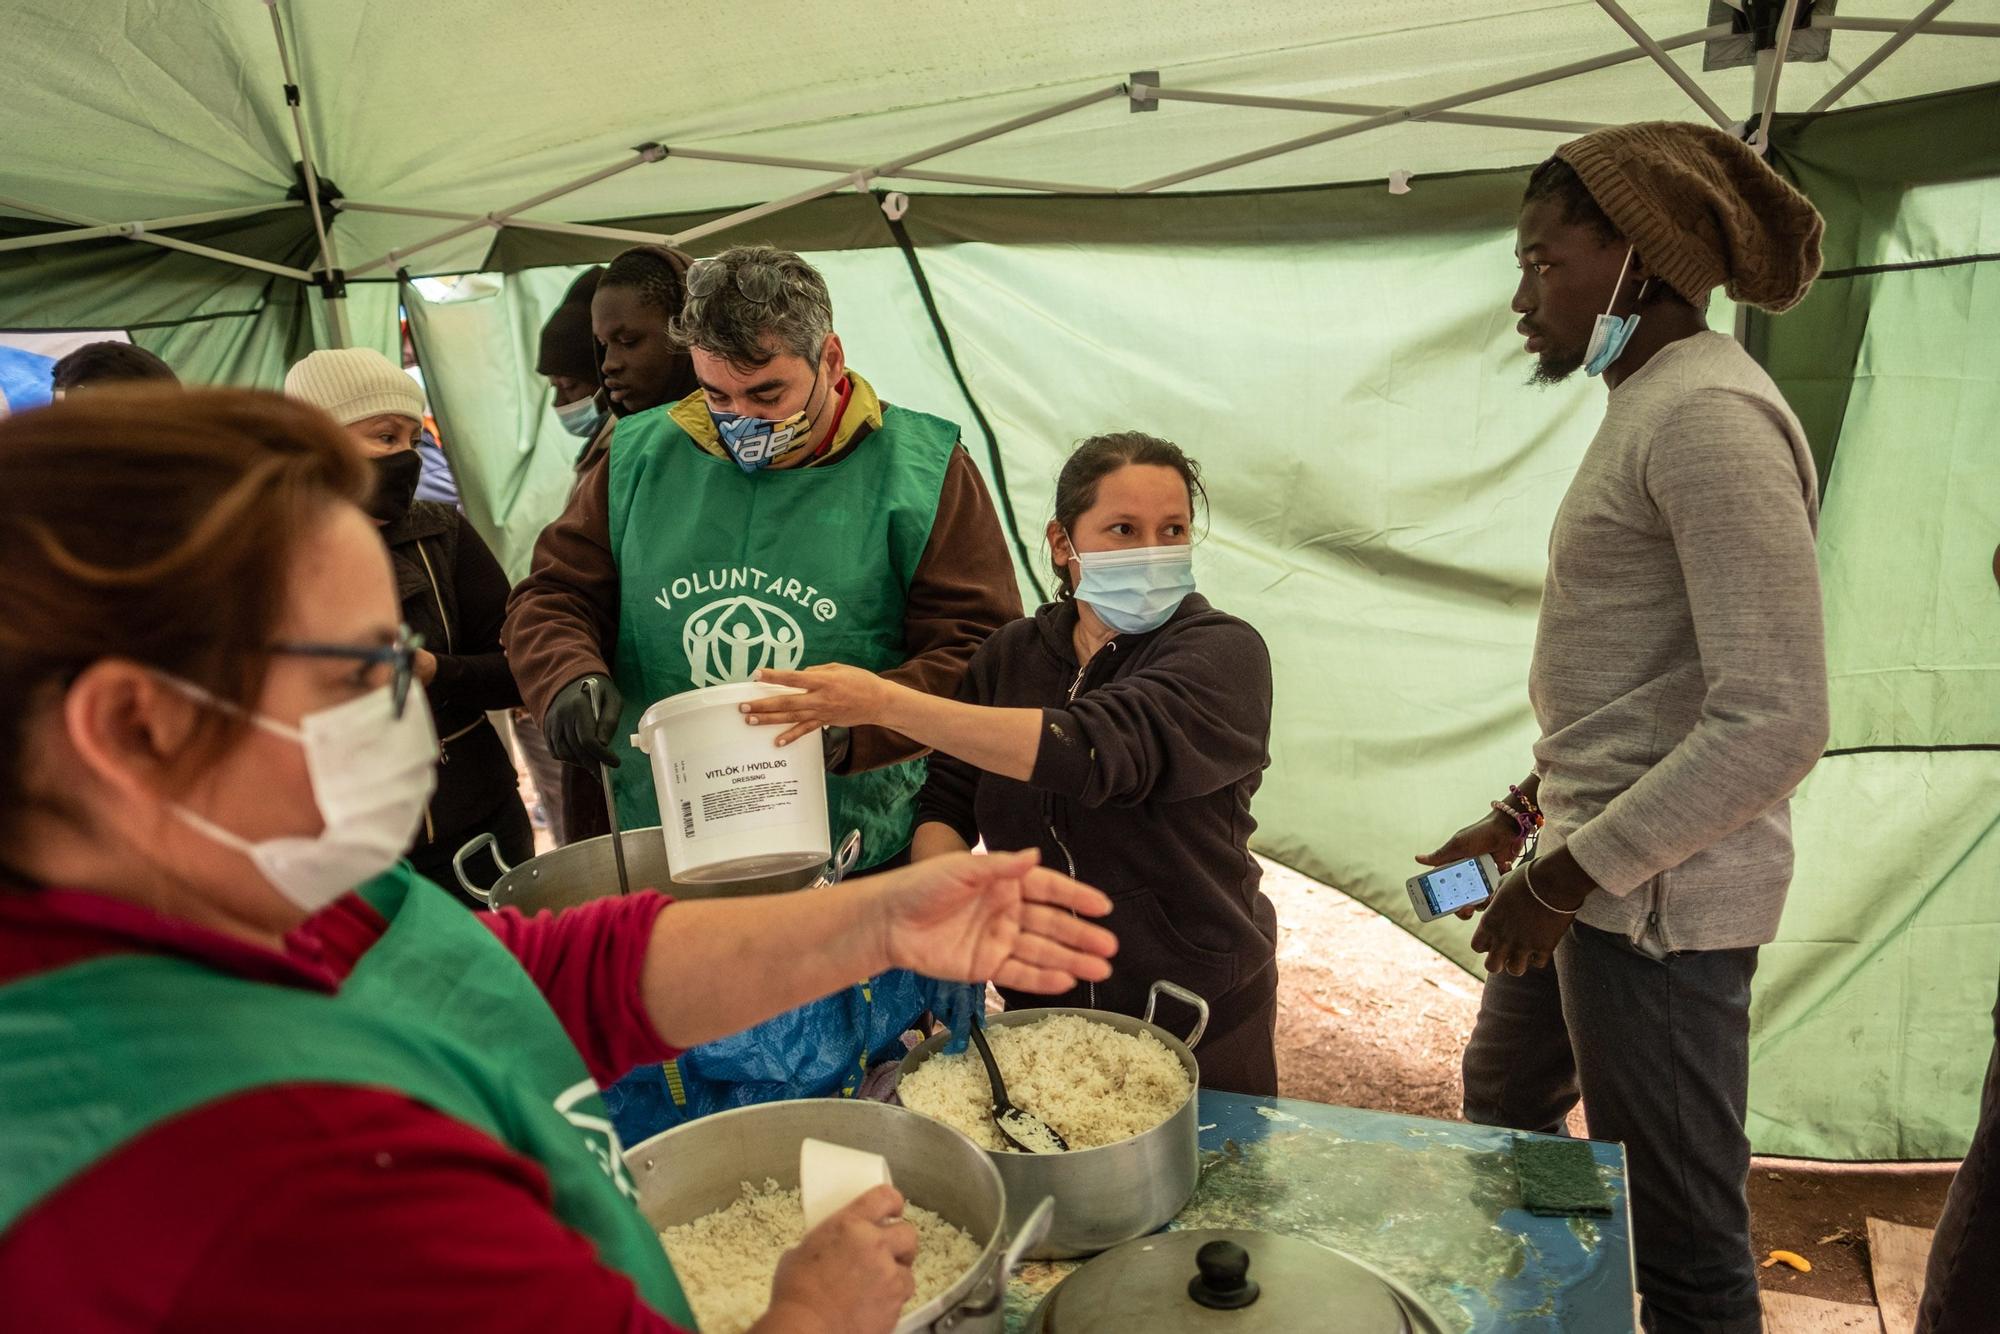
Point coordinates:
[(1371, 1017)]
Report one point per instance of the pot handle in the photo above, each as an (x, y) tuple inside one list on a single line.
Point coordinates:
[(1185, 997), (844, 858), (1030, 1236), (478, 843)]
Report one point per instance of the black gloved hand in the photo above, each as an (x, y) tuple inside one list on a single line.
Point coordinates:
[(577, 733)]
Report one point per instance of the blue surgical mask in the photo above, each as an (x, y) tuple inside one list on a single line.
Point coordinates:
[(581, 418), (1611, 333), (1135, 590)]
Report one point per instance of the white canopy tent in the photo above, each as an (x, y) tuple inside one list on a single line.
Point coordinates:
[(1168, 216), (461, 113)]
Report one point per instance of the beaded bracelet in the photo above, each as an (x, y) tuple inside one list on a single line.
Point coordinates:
[(1528, 804), (1524, 824)]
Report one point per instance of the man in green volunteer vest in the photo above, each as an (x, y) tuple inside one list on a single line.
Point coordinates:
[(781, 516)]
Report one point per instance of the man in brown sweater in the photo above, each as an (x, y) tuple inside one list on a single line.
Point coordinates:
[(1679, 678), (781, 514)]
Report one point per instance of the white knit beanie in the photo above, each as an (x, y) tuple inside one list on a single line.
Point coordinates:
[(354, 383)]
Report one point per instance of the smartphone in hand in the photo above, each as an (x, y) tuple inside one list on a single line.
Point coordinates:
[(1446, 889)]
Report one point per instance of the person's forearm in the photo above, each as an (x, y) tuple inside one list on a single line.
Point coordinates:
[(999, 741), (719, 966), (934, 839), (483, 681)]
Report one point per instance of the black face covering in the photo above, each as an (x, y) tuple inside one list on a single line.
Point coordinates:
[(395, 485)]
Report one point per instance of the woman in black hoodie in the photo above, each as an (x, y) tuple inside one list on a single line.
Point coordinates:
[(454, 594), (1122, 730)]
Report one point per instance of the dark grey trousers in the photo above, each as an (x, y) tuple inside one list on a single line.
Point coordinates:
[(1962, 1282), (1659, 1051)]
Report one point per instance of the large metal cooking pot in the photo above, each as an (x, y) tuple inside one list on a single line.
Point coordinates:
[(589, 870), (1114, 1193), (697, 1168)]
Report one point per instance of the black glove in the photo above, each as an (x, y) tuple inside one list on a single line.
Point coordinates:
[(576, 731)]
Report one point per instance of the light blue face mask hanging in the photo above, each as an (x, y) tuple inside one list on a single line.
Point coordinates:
[(1611, 333), (581, 418), (1136, 590)]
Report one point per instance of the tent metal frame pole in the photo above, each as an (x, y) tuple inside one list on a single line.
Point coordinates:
[(526, 224), (402, 211), (1880, 54), (1840, 23), (329, 262), (942, 177), (894, 165), (1675, 72), (164, 242), (394, 258), (1366, 109), (226, 257), (1425, 110), (1767, 105), (131, 229)]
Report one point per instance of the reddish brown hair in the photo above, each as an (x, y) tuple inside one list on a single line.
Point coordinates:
[(155, 525)]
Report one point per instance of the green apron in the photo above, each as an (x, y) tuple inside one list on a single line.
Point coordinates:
[(94, 1054), (722, 572)]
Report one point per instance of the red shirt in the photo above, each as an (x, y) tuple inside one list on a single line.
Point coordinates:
[(326, 1208)]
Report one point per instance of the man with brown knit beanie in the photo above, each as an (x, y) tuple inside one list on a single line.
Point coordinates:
[(1679, 678)]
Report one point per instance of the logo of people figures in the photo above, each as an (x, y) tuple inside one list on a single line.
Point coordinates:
[(732, 637)]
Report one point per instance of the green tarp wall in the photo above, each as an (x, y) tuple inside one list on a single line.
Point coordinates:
[(1343, 362)]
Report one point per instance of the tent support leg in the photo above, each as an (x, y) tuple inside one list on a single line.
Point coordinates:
[(1767, 105), (1880, 54), (329, 265)]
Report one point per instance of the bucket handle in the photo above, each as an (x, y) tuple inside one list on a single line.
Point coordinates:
[(1032, 1233), (1185, 997), (478, 843)]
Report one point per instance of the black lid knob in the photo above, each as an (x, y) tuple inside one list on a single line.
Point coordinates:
[(1224, 1283)]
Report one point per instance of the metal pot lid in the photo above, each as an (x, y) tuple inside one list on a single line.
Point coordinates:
[(1220, 1279)]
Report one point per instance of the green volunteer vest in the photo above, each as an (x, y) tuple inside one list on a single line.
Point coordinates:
[(722, 572), (94, 1054)]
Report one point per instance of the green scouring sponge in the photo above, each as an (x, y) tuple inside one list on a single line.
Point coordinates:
[(1558, 1176)]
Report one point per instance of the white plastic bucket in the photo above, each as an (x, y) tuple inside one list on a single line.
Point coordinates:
[(733, 804)]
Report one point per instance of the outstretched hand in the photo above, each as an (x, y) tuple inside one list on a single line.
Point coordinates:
[(998, 917), (830, 695)]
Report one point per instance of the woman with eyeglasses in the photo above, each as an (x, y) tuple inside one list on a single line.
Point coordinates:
[(255, 1074), (454, 598)]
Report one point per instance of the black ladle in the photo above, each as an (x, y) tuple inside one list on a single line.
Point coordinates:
[(1024, 1130)]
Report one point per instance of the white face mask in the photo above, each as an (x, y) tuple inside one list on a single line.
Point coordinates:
[(372, 774)]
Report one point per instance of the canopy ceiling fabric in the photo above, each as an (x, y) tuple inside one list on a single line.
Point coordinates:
[(134, 109)]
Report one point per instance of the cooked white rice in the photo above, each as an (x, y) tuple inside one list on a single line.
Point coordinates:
[(1092, 1084), (726, 1260)]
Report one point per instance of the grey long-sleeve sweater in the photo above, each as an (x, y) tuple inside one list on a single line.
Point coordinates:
[(1680, 665)]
